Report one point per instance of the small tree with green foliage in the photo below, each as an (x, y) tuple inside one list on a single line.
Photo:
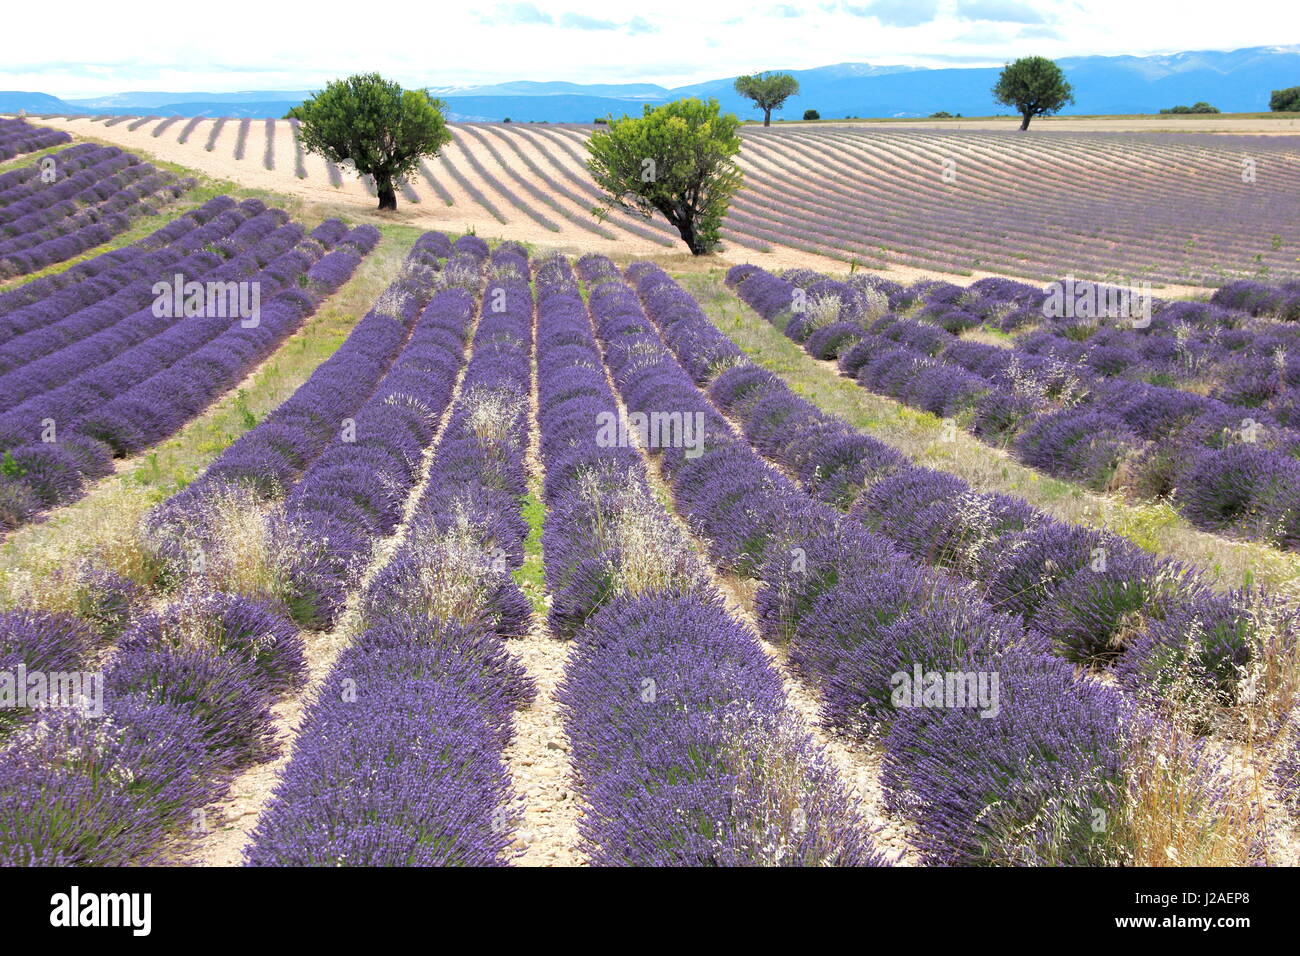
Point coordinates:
[(676, 159), (811, 115), (769, 91), (1035, 86), (1201, 107), (1285, 101), (375, 126)]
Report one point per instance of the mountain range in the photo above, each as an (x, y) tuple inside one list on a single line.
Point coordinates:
[(1237, 81)]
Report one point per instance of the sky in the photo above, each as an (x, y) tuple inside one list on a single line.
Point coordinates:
[(83, 49)]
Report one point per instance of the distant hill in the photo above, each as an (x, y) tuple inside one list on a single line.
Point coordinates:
[(157, 102), (14, 101), (1238, 81)]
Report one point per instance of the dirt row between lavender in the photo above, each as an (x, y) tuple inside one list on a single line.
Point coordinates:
[(538, 755)]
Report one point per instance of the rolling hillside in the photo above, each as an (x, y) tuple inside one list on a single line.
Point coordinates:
[(1167, 208)]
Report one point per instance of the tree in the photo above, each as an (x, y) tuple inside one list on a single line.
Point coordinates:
[(769, 91), (375, 126), (811, 115), (1285, 101), (675, 159), (1035, 86), (1200, 107)]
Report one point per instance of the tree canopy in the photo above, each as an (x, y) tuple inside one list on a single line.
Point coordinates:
[(676, 159), (1198, 107), (375, 126), (1035, 86), (769, 91), (1285, 101)]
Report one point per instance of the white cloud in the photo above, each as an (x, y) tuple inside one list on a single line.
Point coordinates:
[(91, 49), (518, 13), (1002, 11), (897, 13), (1038, 31)]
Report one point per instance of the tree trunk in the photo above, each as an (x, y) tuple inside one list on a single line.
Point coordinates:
[(767, 117), (686, 228), (1025, 125), (387, 195)]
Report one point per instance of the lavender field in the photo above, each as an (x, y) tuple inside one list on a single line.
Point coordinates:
[(559, 552), (1180, 209)]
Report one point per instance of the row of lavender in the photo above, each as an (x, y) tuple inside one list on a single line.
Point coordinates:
[(55, 349), (141, 377), (335, 432), (1278, 300), (45, 194), (17, 136), (1251, 365), (185, 704), (326, 474), (857, 613), (684, 749), (1012, 775), (188, 691), (41, 303), (1250, 368), (400, 760), (73, 200), (1053, 771), (1247, 357), (184, 537), (79, 280), (875, 196), (1023, 776), (1223, 473), (1096, 596)]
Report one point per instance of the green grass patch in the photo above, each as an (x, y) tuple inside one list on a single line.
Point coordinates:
[(531, 575)]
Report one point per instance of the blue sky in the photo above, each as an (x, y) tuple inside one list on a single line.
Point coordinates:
[(86, 49)]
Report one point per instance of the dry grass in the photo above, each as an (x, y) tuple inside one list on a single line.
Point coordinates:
[(251, 549), (455, 574), (775, 772), (40, 564), (492, 414), (987, 336), (1185, 809), (625, 516), (653, 555), (1197, 791), (823, 310)]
